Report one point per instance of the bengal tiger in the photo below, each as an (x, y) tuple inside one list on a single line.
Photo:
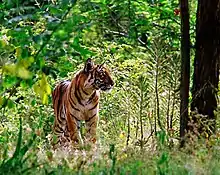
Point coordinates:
[(77, 100)]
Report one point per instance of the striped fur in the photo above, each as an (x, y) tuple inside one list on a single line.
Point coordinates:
[(78, 100)]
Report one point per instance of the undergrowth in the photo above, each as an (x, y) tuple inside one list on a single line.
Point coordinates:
[(160, 156), (123, 147)]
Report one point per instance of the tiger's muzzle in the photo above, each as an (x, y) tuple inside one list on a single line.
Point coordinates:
[(104, 85)]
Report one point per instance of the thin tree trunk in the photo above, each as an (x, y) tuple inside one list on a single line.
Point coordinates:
[(157, 96), (141, 121), (129, 129), (185, 68), (173, 106), (137, 125), (150, 114), (206, 65), (168, 108), (155, 118)]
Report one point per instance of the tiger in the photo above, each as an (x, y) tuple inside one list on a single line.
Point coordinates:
[(78, 100)]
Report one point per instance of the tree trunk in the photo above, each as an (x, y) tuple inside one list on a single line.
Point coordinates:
[(206, 64), (185, 67)]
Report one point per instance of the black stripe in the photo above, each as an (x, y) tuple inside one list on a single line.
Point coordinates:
[(84, 91), (91, 124), (60, 119), (94, 106), (72, 105), (91, 98), (75, 92), (91, 118), (80, 95), (60, 88), (68, 138), (90, 127), (66, 134), (77, 98), (74, 117), (72, 99), (58, 129)]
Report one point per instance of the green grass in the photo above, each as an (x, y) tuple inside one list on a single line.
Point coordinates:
[(200, 157)]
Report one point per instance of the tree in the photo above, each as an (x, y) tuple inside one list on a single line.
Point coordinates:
[(206, 64), (185, 66)]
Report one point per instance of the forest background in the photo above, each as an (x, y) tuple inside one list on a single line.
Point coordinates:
[(44, 42)]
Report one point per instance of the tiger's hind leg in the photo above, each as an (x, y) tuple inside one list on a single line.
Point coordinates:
[(61, 139)]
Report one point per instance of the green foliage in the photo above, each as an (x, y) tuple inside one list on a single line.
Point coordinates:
[(112, 156), (17, 163), (44, 42)]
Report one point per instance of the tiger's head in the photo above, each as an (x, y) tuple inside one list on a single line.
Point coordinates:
[(98, 76)]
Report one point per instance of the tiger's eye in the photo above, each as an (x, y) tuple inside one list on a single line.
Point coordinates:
[(101, 74)]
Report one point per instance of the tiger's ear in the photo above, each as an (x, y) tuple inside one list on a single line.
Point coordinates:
[(100, 66), (88, 65)]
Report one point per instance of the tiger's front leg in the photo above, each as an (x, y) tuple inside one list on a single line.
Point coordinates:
[(91, 125)]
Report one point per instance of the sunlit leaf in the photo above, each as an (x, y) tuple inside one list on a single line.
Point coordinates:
[(18, 70), (10, 69), (18, 52), (43, 89), (45, 99), (23, 73), (1, 101)]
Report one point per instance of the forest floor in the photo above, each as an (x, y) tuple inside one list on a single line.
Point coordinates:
[(158, 156)]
